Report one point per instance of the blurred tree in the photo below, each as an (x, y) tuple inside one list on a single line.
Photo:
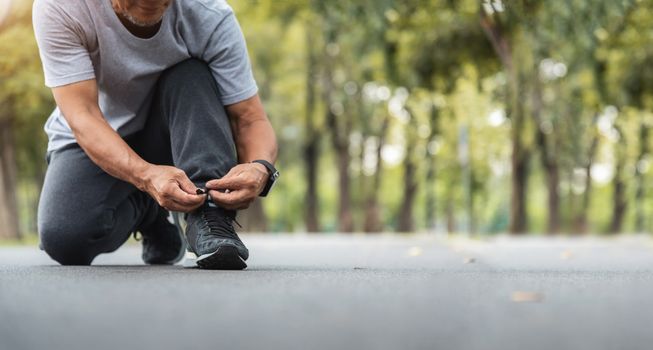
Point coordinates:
[(453, 105), (312, 138), (503, 25), (24, 102), (635, 90)]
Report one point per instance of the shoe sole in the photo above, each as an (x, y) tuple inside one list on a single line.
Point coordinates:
[(224, 258)]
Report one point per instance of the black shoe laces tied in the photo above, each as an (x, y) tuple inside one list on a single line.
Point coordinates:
[(220, 222)]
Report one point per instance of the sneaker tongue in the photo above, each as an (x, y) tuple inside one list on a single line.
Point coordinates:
[(219, 220)]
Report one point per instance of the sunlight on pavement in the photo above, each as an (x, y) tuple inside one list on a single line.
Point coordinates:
[(527, 297), (567, 255), (415, 251)]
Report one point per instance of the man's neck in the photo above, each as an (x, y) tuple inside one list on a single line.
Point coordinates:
[(138, 31)]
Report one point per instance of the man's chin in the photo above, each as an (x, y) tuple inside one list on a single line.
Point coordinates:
[(141, 23)]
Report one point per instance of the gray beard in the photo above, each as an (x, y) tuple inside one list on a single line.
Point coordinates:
[(138, 23)]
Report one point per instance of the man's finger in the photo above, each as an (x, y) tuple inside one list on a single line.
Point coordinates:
[(180, 196), (218, 183), (174, 205), (230, 183), (186, 185), (231, 173), (231, 199), (184, 208)]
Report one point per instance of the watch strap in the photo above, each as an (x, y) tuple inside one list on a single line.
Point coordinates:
[(273, 174)]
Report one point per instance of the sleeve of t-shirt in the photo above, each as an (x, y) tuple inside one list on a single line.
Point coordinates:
[(226, 54), (64, 57)]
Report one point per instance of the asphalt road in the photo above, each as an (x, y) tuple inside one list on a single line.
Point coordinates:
[(341, 292)]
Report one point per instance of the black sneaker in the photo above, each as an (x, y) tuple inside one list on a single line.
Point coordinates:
[(163, 242), (211, 236)]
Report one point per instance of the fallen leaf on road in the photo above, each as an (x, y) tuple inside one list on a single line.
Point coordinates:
[(527, 297), (415, 251), (567, 255)]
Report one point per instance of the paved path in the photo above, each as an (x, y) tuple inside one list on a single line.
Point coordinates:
[(341, 292)]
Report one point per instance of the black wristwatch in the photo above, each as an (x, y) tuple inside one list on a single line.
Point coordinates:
[(272, 178)]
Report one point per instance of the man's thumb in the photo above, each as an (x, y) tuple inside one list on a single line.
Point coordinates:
[(186, 185)]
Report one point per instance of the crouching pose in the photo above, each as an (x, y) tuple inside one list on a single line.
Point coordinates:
[(157, 111)]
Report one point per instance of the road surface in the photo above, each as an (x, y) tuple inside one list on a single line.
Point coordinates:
[(341, 292)]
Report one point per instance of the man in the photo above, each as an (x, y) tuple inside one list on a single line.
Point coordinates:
[(157, 111)]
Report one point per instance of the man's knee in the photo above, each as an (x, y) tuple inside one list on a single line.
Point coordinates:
[(71, 240), (188, 71)]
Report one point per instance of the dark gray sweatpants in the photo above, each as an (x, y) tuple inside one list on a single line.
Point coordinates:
[(84, 211)]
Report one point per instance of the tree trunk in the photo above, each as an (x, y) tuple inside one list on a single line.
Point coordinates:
[(552, 184), (619, 204), (312, 141), (514, 107), (431, 173), (340, 141), (253, 218), (339, 127), (9, 227), (372, 222), (431, 216), (619, 201), (581, 224), (372, 209), (345, 218), (405, 220), (406, 223), (519, 164), (640, 193), (518, 219), (548, 158), (311, 154)]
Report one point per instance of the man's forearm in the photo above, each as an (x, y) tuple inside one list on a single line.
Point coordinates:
[(252, 131), (108, 150), (255, 140)]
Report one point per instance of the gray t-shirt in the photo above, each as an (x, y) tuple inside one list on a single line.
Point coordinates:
[(84, 39)]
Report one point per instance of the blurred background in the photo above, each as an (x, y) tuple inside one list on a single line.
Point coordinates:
[(443, 116)]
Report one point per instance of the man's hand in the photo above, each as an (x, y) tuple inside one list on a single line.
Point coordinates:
[(171, 188), (238, 189)]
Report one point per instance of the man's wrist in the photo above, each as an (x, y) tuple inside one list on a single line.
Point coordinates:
[(273, 174), (262, 168), (142, 174)]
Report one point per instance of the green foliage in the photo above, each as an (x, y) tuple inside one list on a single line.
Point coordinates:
[(583, 75), (25, 104)]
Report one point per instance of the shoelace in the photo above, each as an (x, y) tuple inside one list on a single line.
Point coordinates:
[(220, 223)]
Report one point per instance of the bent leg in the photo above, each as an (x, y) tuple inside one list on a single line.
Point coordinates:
[(199, 132), (84, 211)]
